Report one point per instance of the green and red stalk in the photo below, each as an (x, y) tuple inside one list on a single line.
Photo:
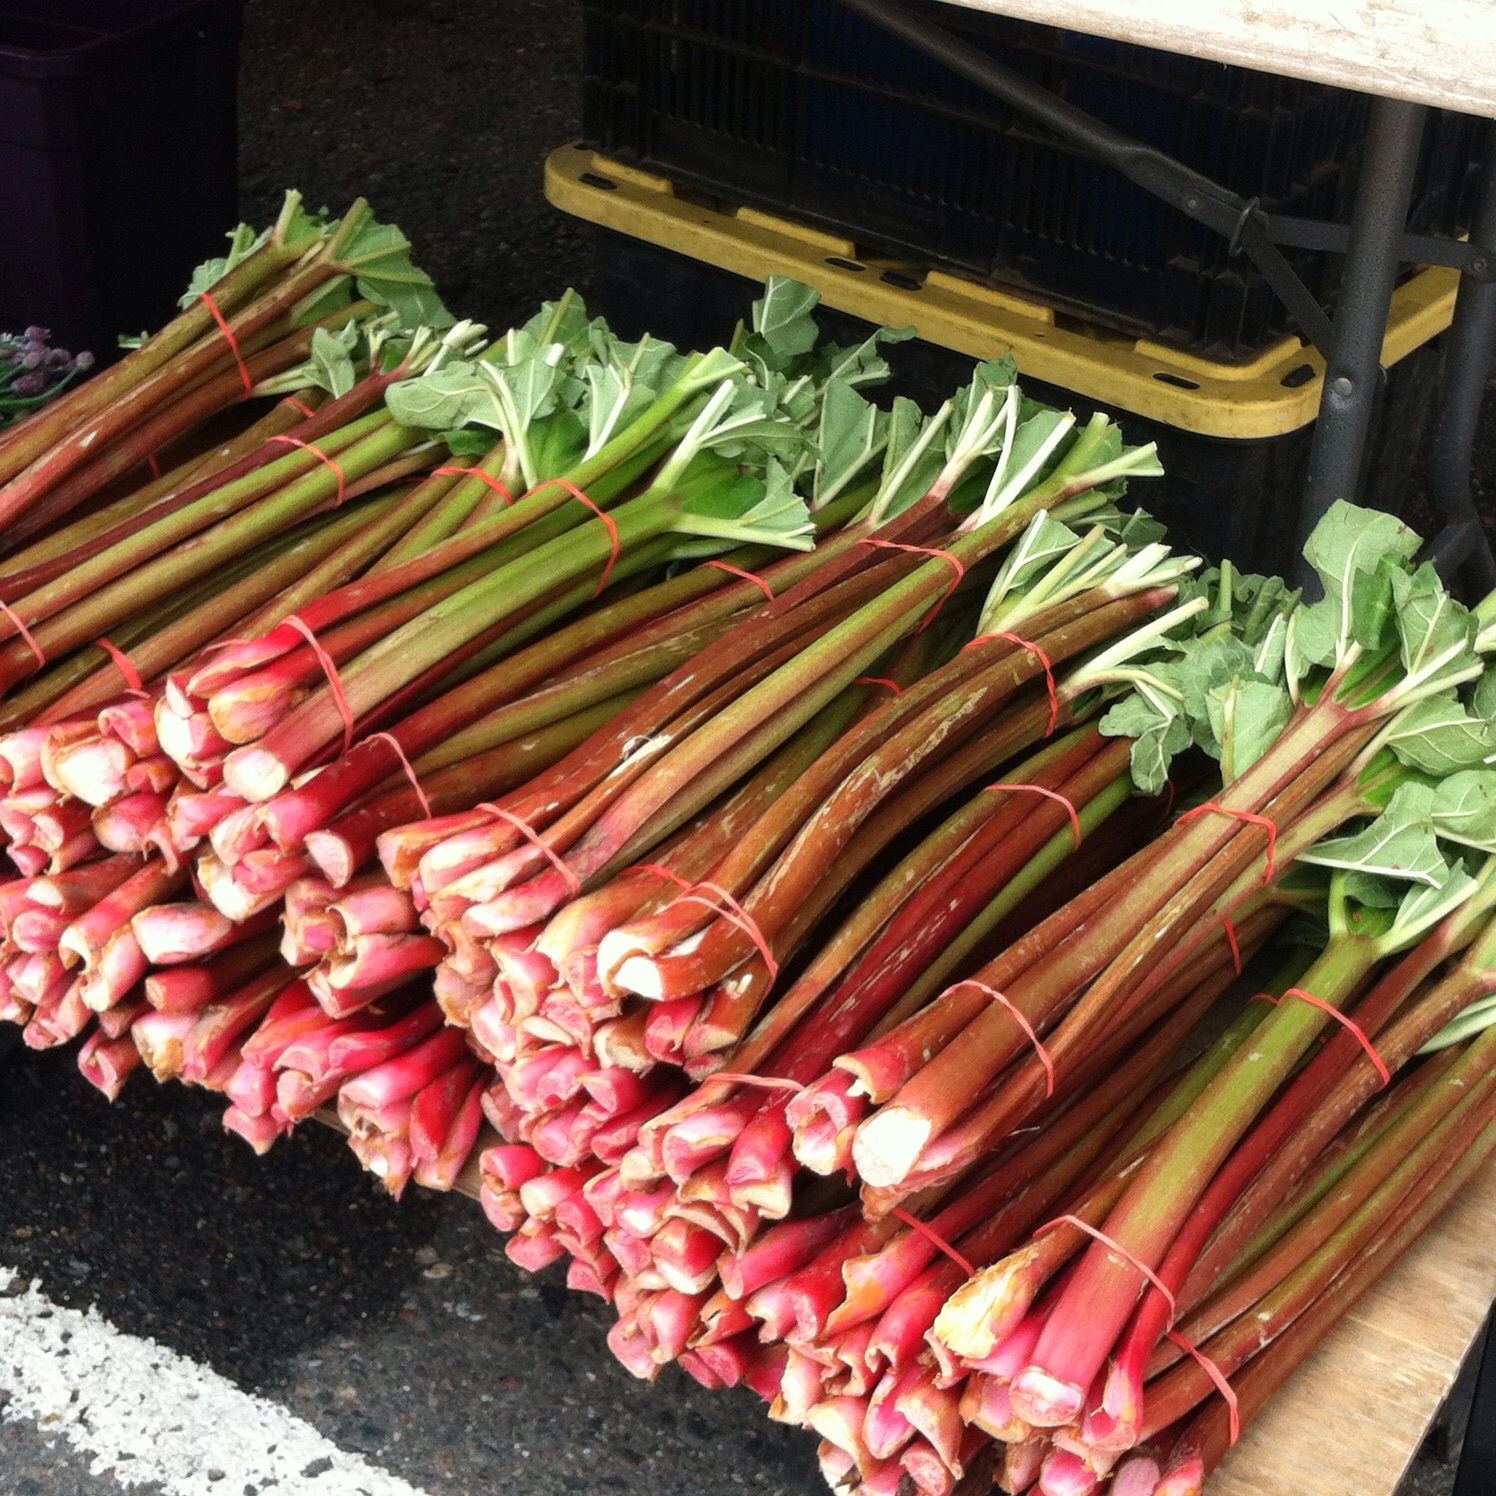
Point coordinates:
[(191, 411), (1397, 1038), (282, 417), (77, 612), (281, 572), (1163, 893), (105, 424), (262, 771), (1459, 1085), (985, 1310), (925, 866), (349, 842), (1349, 1259), (1097, 1303), (1116, 1422), (823, 835), (704, 597)]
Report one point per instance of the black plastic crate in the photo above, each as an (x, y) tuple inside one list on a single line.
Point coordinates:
[(1236, 497), (117, 159), (803, 106)]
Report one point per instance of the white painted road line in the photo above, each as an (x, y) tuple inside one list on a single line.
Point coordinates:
[(152, 1415)]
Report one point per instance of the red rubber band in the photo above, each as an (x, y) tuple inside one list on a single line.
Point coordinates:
[(532, 836), (155, 467), (660, 871), (735, 914), (334, 680), (296, 403), (316, 451), (879, 680), (606, 518), (410, 773), (747, 576), (1055, 795), (1217, 1376), (25, 633), (1346, 1020), (1266, 822), (125, 663), (1119, 1249), (1232, 941), (924, 550), (233, 342), (767, 1082), (478, 473), (932, 1235), (1043, 659), (1023, 1023)]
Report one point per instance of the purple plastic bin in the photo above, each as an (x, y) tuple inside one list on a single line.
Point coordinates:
[(117, 159)]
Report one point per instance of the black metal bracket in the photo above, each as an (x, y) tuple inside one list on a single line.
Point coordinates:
[(1240, 221)]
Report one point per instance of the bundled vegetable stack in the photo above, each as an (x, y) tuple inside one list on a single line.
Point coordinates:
[(822, 841)]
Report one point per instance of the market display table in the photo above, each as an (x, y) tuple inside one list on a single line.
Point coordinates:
[(1436, 52), (1354, 1414)]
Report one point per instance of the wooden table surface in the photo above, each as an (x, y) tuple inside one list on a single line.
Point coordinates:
[(1353, 1415), (1438, 52)]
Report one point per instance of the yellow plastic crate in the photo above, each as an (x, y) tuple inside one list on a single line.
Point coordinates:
[(1272, 394)]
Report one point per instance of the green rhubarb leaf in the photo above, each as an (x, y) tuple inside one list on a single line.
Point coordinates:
[(851, 437), (1268, 654), (563, 321), (1424, 906), (331, 365), (1390, 847), (1348, 549), (1043, 542), (1438, 736), (1246, 717), (455, 394), (469, 441), (911, 460), (1483, 697), (1469, 1022), (749, 510), (863, 363), (1372, 891), (1134, 529), (1463, 809), (1313, 637), (783, 318), (1159, 734), (1435, 633), (377, 255), (243, 241), (1032, 450)]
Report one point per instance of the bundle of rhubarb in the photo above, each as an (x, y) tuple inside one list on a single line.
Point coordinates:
[(674, 1112), (681, 457)]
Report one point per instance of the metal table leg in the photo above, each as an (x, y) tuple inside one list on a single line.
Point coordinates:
[(1477, 1473), (1461, 546), (1393, 135)]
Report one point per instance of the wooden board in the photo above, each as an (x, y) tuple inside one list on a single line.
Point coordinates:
[(1354, 1413), (1438, 52)]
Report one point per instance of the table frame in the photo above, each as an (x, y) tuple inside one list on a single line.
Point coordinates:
[(1375, 244)]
